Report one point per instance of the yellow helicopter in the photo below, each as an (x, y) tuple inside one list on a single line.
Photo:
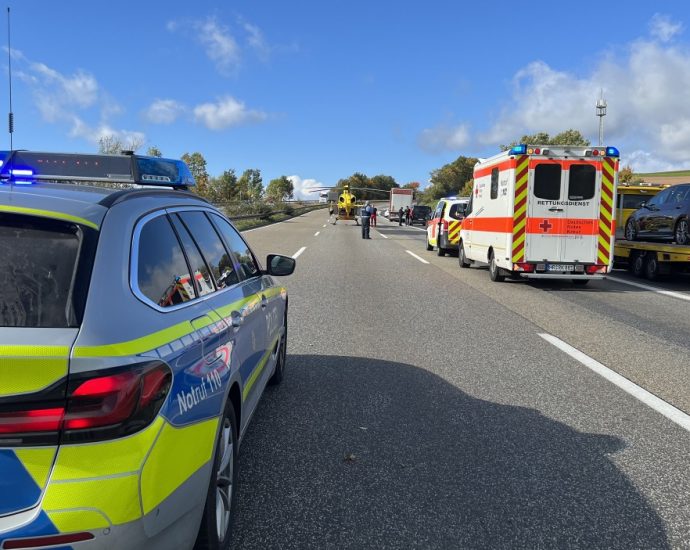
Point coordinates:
[(347, 202)]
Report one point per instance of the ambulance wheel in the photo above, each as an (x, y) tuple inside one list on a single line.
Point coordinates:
[(636, 264), (495, 271), (440, 251), (462, 259), (215, 532), (651, 268), (428, 246), (631, 230), (681, 232)]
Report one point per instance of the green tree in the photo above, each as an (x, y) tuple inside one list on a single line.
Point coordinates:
[(224, 188), (113, 145), (154, 151), (414, 185), (250, 185), (280, 189), (466, 190), (450, 178), (197, 166), (568, 137), (626, 175)]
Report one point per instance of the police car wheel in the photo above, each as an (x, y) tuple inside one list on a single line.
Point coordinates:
[(215, 532), (279, 371)]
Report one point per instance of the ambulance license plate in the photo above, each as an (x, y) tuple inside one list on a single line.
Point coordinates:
[(560, 267)]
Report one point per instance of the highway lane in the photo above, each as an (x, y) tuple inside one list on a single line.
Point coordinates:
[(422, 409), (639, 333)]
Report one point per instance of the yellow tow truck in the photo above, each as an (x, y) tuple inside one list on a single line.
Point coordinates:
[(644, 258)]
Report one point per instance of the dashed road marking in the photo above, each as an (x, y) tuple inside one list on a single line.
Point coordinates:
[(325, 224), (656, 289), (417, 257), (296, 254), (317, 233), (648, 398), (382, 235)]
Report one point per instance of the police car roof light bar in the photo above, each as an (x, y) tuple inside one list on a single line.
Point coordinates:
[(66, 167)]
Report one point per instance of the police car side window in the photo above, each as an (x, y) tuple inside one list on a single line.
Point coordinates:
[(494, 183), (547, 182), (200, 270), (245, 258), (212, 248), (162, 274)]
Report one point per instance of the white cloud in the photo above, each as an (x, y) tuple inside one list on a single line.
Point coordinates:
[(56, 94), (303, 188), (225, 113), (221, 47), (445, 138), (663, 29), (648, 111), (164, 111), (93, 134), (257, 41)]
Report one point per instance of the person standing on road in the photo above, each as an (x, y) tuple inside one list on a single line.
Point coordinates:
[(407, 215), (365, 216), (401, 213), (374, 213)]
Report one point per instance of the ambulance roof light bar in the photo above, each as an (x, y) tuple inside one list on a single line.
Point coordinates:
[(26, 167)]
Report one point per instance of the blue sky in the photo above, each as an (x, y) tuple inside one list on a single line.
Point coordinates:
[(319, 90)]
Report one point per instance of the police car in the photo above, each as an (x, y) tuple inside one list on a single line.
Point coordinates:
[(138, 334), (443, 229)]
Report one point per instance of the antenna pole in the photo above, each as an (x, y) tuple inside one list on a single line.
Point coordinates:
[(9, 64)]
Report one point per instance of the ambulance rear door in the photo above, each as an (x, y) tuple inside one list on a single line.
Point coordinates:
[(545, 212), (581, 196)]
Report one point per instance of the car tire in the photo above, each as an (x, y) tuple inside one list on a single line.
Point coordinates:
[(441, 251), (494, 271), (215, 532), (631, 230), (651, 267), (682, 231), (428, 246), (279, 371), (462, 258)]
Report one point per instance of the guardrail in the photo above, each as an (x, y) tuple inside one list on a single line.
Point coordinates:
[(294, 210)]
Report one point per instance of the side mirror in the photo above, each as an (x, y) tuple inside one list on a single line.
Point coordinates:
[(280, 265)]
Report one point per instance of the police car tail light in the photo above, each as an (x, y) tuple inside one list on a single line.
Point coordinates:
[(113, 405), (31, 421)]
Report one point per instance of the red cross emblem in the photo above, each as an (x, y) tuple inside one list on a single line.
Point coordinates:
[(545, 225)]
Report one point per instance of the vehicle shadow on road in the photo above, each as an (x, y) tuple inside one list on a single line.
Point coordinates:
[(363, 453)]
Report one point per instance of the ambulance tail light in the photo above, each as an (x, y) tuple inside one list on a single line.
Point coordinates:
[(106, 405), (524, 267), (592, 269)]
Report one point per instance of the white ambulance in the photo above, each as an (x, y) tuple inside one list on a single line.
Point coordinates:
[(543, 212)]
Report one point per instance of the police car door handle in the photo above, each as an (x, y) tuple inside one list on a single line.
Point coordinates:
[(555, 209), (236, 319)]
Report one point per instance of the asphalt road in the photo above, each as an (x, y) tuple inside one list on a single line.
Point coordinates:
[(422, 409)]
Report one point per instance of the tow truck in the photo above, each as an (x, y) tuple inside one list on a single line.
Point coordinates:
[(645, 258)]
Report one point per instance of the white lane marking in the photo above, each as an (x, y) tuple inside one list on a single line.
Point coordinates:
[(656, 289), (296, 254), (325, 224), (317, 233), (415, 256), (649, 399), (382, 235)]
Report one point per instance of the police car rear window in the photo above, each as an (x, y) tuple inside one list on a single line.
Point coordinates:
[(37, 271)]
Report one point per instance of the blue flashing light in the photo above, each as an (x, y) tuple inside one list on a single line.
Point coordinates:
[(23, 182), (519, 150), (21, 172), (612, 152)]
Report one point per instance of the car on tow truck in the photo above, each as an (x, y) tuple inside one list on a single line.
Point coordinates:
[(138, 334)]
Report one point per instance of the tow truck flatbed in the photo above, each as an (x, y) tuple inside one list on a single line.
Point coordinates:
[(651, 259)]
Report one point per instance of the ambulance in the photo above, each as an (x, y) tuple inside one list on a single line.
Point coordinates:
[(543, 211)]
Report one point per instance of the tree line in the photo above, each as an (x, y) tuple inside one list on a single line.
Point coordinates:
[(454, 178)]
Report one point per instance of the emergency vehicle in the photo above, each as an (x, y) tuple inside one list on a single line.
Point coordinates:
[(543, 211), (443, 229)]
